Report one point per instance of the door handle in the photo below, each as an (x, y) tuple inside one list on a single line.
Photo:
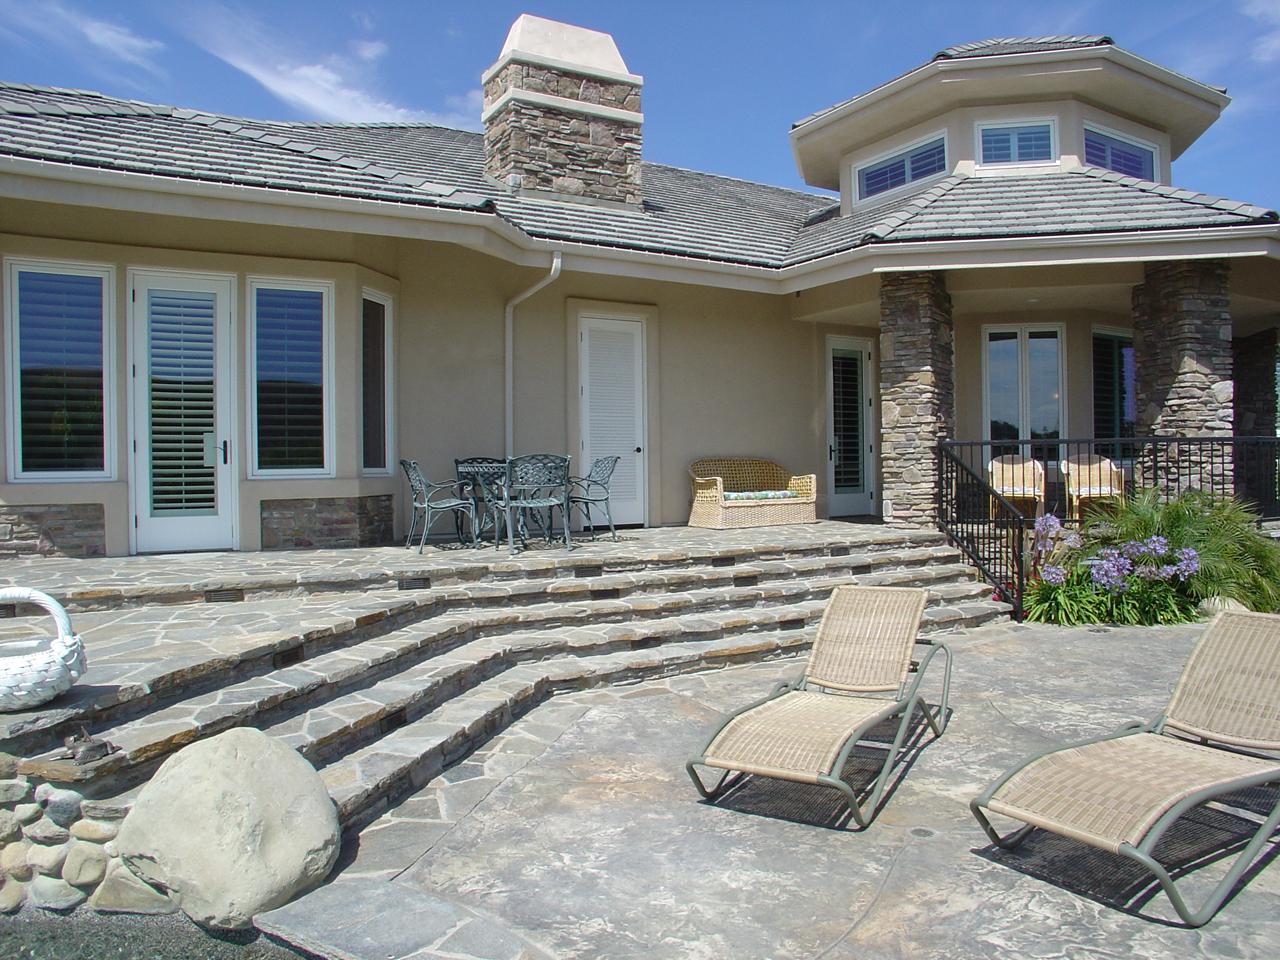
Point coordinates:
[(831, 451), (638, 450), (226, 452)]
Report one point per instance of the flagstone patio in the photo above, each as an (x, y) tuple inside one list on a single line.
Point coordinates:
[(575, 834)]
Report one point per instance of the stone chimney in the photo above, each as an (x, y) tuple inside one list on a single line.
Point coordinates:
[(562, 115)]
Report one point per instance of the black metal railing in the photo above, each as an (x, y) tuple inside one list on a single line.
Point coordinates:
[(990, 491)]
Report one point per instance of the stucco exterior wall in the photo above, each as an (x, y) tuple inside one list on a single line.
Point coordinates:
[(732, 372)]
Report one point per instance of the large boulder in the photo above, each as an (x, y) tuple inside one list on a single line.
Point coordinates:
[(232, 826)]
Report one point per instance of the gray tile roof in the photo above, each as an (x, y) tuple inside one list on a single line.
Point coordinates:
[(1000, 46), (685, 213)]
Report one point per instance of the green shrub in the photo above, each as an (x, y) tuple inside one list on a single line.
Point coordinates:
[(1144, 561), (1237, 560)]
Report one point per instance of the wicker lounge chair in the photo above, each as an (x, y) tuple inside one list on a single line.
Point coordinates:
[(1090, 476), (858, 675), (734, 492), (1123, 791)]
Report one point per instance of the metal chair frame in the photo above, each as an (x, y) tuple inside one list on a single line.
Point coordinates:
[(432, 499), (594, 489), (534, 483)]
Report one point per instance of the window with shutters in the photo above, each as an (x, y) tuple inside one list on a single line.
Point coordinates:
[(1114, 379), (1017, 142), (1116, 153), (291, 360), (375, 384), (58, 323), (917, 162)]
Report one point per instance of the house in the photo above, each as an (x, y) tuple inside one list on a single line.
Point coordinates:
[(222, 332)]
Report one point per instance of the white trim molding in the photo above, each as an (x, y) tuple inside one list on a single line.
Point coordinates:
[(13, 419), (326, 289)]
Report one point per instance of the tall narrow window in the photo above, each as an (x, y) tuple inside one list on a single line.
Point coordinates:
[(1114, 379), (1024, 383), (1122, 156), (374, 382), (59, 372), (290, 353)]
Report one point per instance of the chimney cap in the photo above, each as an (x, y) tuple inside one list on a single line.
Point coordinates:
[(552, 43)]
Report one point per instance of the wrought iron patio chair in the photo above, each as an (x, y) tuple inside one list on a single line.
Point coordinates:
[(485, 476), (536, 485), (1123, 791), (594, 489), (1090, 476), (858, 676), (432, 499)]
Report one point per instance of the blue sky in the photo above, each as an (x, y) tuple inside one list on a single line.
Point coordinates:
[(723, 80)]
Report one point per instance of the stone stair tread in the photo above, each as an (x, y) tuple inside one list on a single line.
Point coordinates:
[(323, 618), (128, 581)]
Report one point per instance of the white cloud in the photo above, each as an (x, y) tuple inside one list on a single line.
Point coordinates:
[(1266, 46), (100, 45), (370, 50), (325, 86)]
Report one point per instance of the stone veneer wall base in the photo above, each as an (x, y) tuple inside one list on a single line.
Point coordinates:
[(327, 522), (53, 530)]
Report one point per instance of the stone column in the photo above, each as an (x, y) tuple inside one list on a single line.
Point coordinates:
[(1182, 351), (917, 395)]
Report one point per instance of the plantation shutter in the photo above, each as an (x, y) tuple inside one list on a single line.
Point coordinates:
[(289, 344), (180, 338), (60, 372), (614, 402)]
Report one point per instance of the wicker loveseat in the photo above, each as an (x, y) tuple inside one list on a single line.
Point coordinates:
[(732, 492)]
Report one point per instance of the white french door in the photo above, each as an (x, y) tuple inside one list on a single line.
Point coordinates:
[(612, 415), (183, 483), (851, 449)]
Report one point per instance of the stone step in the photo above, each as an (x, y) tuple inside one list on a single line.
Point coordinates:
[(208, 578), (448, 706), (358, 673), (329, 622)]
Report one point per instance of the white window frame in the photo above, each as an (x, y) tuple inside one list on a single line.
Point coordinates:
[(327, 290), (388, 378), (1054, 156), (13, 421), (860, 200), (1128, 138), (1022, 330)]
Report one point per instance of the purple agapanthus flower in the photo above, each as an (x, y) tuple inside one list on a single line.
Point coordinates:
[(1073, 541), (1111, 570), (1188, 562), (1054, 575), (1047, 525), (1133, 549), (1156, 545)]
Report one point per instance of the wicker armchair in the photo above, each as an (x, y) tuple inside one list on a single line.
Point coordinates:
[(734, 492)]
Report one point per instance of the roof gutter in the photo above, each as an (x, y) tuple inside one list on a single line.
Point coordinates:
[(508, 353)]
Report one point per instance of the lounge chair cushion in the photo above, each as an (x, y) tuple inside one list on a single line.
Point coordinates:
[(759, 494), (796, 736), (1114, 791), (1097, 492), (1019, 491)]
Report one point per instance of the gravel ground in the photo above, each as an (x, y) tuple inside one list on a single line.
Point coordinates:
[(85, 935)]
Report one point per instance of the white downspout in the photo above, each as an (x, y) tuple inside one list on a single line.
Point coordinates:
[(509, 362)]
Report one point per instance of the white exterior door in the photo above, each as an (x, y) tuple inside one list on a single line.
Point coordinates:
[(851, 464), (612, 418), (182, 480)]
